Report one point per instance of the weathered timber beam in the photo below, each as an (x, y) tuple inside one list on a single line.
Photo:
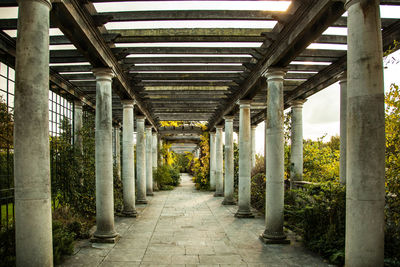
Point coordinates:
[(76, 23), (8, 45), (182, 97), (190, 15), (209, 88), (182, 92), (74, 68), (309, 21), (67, 59), (301, 67), (315, 59), (188, 59), (193, 32), (185, 83), (186, 76), (322, 53), (187, 39), (188, 68), (331, 39), (184, 50)]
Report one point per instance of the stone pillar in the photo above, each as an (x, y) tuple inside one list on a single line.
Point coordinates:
[(78, 123), (33, 234), (219, 159), (212, 161), (154, 157), (253, 145), (343, 115), (140, 161), (117, 137), (229, 168), (365, 170), (104, 162), (244, 160), (128, 161), (275, 159), (149, 161), (296, 155)]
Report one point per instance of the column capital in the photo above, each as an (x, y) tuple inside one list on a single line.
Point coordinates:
[(275, 73), (128, 103), (212, 133), (140, 118), (245, 103), (78, 103), (154, 133), (103, 73), (298, 103), (46, 2), (349, 3), (148, 127), (229, 118), (219, 127), (253, 126)]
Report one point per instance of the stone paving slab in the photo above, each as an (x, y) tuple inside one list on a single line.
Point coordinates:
[(186, 227)]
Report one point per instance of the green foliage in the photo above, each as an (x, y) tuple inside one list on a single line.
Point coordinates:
[(7, 246), (183, 162), (201, 166), (317, 214), (6, 125), (321, 160), (258, 191), (63, 242), (166, 177), (235, 166), (392, 208)]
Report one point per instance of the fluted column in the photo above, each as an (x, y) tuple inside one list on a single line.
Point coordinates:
[(78, 123), (149, 161), (296, 155), (219, 176), (274, 159), (343, 128), (33, 234), (365, 170), (105, 231), (244, 160), (154, 157), (212, 161), (253, 145), (141, 160), (229, 167), (128, 161)]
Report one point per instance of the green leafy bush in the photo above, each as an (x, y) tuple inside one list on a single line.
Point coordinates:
[(63, 242), (317, 214), (7, 246), (166, 177), (201, 166), (258, 191)]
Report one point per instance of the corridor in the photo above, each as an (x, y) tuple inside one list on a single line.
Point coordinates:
[(186, 227)]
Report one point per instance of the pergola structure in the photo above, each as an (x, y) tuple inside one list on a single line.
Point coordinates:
[(239, 76)]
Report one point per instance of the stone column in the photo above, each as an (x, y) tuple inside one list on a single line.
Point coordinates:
[(343, 115), (154, 157), (33, 234), (253, 145), (296, 155), (104, 162), (365, 170), (244, 160), (140, 160), (219, 159), (229, 168), (128, 161), (78, 123), (149, 161), (212, 161), (274, 159), (117, 136)]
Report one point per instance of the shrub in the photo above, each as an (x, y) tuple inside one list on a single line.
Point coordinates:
[(7, 247), (166, 177), (63, 242), (201, 166), (258, 191), (317, 214)]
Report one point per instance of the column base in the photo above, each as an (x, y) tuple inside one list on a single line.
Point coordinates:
[(228, 202), (149, 194), (244, 214), (274, 238), (217, 194), (129, 213), (112, 237), (141, 201)]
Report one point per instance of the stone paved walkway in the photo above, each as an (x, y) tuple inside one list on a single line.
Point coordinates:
[(185, 227)]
